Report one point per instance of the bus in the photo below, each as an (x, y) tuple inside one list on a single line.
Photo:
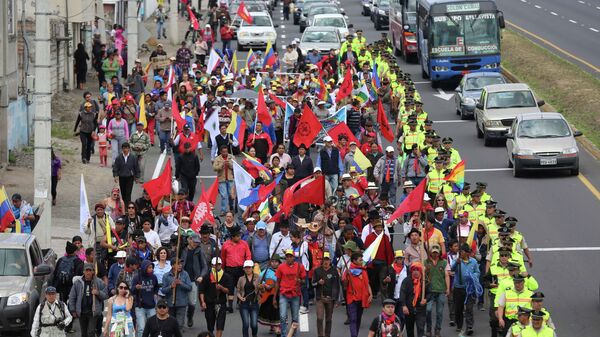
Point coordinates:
[(457, 37), (403, 27)]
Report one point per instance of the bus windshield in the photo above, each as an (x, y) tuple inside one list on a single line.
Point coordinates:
[(468, 34)]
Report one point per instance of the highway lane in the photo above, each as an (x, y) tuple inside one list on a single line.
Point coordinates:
[(573, 26), (553, 211)]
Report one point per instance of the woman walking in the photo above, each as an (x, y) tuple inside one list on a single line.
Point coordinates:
[(56, 174), (247, 289), (268, 314), (81, 58), (118, 318)]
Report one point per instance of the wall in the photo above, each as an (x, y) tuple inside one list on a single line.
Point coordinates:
[(19, 121)]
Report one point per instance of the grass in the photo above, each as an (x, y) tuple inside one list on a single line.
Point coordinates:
[(570, 90), (62, 130)]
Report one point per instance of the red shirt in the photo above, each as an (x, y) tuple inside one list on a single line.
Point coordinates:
[(287, 276), (359, 222), (358, 288), (234, 254)]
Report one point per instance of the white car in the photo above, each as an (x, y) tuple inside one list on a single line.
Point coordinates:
[(257, 34), (323, 39), (332, 20)]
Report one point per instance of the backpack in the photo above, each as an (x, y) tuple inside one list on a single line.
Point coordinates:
[(65, 271)]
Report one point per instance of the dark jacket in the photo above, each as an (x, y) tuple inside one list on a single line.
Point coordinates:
[(332, 281), (76, 295), (77, 271), (144, 297), (209, 289), (407, 295), (304, 168), (200, 266), (187, 165), (126, 169)]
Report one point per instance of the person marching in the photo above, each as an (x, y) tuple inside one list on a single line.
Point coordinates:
[(537, 304), (387, 323), (523, 322), (213, 296), (247, 290), (537, 327), (267, 313), (290, 276), (510, 300), (413, 302), (326, 280), (358, 291), (51, 316)]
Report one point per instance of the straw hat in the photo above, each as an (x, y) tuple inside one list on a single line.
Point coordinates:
[(314, 226)]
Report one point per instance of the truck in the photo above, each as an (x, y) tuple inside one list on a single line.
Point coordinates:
[(25, 272)]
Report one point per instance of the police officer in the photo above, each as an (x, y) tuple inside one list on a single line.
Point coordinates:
[(51, 317), (538, 328), (523, 322), (537, 303), (510, 300)]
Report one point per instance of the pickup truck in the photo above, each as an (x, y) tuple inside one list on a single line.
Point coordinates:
[(25, 271)]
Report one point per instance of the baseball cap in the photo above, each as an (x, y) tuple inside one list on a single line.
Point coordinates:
[(261, 225), (216, 260), (248, 263), (121, 254), (389, 149)]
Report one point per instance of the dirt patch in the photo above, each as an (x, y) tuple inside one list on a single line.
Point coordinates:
[(570, 90)]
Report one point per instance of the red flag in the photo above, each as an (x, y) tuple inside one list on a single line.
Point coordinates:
[(384, 126), (243, 13), (213, 191), (277, 100), (193, 18), (346, 87), (262, 111), (180, 121), (341, 129), (161, 186), (308, 128), (413, 202), (202, 212), (200, 125), (308, 190)]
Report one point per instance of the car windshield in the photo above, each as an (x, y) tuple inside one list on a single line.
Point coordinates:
[(472, 34), (13, 262), (320, 37), (543, 128), (477, 83), (259, 21), (322, 10), (383, 4), (250, 6), (510, 99), (329, 22)]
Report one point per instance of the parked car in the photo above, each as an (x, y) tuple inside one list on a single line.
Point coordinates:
[(300, 6), (380, 14), (498, 106), (469, 90), (366, 7), (259, 33), (25, 271), (332, 20), (314, 9), (322, 39), (542, 141)]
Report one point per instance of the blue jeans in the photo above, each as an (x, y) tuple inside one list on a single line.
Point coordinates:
[(304, 289), (164, 139), (160, 32), (333, 180), (294, 304), (249, 313), (225, 193), (355, 311), (141, 316), (439, 300)]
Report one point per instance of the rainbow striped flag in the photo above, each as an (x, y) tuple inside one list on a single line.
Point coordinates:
[(457, 176), (371, 251)]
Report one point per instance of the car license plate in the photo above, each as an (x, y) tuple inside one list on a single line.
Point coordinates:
[(548, 161)]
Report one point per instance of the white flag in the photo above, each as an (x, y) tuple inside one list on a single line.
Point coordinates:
[(211, 124), (84, 207), (213, 61), (243, 182)]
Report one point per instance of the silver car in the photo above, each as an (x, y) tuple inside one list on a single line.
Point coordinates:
[(469, 90), (323, 39), (498, 106), (542, 141)]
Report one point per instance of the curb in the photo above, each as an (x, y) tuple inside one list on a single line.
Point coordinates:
[(587, 144)]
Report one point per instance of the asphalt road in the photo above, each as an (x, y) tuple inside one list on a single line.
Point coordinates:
[(554, 211), (570, 28)]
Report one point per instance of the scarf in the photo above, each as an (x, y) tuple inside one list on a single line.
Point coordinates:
[(215, 274), (417, 284), (356, 270), (389, 326), (389, 320), (397, 268)]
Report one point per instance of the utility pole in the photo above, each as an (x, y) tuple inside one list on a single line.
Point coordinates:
[(42, 99), (132, 34), (4, 88), (101, 21), (173, 26)]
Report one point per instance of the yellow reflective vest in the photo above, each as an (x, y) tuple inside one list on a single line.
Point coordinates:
[(514, 300), (543, 332), (436, 179)]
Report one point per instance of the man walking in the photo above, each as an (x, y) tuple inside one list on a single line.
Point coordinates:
[(436, 272), (51, 317), (86, 300), (290, 276), (326, 280), (162, 324), (125, 171)]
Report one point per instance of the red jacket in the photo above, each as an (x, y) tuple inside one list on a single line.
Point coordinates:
[(226, 33)]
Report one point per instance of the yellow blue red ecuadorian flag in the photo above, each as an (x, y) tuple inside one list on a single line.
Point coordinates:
[(7, 217)]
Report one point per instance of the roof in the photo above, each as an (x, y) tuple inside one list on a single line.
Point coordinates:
[(320, 29), (507, 87), (330, 15), (14, 240), (483, 74), (259, 14), (540, 115)]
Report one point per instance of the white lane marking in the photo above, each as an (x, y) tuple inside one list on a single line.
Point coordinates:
[(489, 170), (283, 36), (537, 6), (159, 164), (564, 249), (598, 7), (282, 26), (443, 95), (581, 2), (553, 13), (451, 121), (206, 177), (282, 18), (572, 21), (594, 30), (524, 1), (422, 82)]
